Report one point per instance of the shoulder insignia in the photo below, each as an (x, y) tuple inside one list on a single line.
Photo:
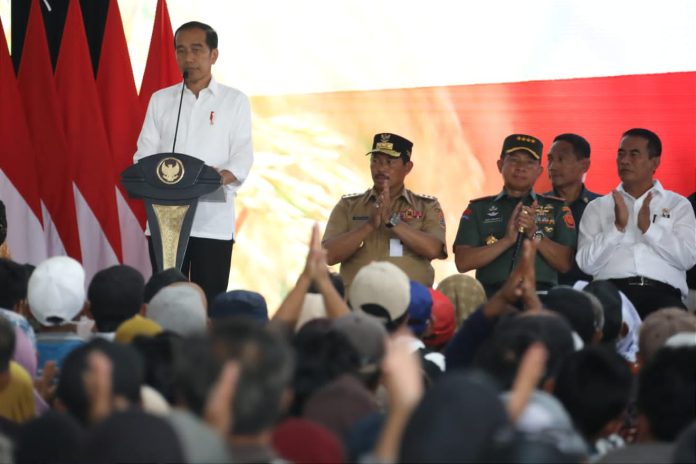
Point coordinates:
[(351, 195), (489, 197), (427, 197)]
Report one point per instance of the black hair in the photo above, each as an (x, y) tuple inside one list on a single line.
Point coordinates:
[(3, 223), (581, 147), (115, 295), (336, 281), (685, 445), (162, 279), (654, 143), (266, 364), (576, 307), (594, 386), (211, 37), (14, 279), (666, 391), (323, 355), (501, 354), (195, 372), (160, 354), (61, 437), (126, 376), (7, 343), (455, 421), (609, 296)]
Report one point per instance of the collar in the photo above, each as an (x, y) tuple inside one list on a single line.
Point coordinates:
[(583, 197), (503, 194), (213, 87), (405, 194), (656, 188)]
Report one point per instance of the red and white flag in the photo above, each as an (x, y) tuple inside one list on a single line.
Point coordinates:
[(123, 118), (161, 69), (53, 164), (83, 124), (18, 187)]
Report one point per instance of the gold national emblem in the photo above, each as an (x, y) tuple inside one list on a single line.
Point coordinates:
[(170, 170), (490, 240)]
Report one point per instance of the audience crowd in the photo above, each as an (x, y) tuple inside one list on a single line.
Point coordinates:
[(123, 370)]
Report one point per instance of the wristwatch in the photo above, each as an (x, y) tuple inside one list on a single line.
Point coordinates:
[(393, 220), (538, 235)]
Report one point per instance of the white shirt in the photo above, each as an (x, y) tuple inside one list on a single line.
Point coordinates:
[(216, 128), (664, 252), (626, 346)]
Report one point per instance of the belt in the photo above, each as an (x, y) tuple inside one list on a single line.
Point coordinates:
[(640, 281)]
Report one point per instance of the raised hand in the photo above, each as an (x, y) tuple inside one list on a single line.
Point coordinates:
[(386, 209), (45, 384), (620, 210), (529, 373), (512, 228), (521, 284), (218, 406), (315, 265), (98, 386), (526, 219), (644, 214)]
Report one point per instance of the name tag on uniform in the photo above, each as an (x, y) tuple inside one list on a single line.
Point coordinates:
[(396, 248)]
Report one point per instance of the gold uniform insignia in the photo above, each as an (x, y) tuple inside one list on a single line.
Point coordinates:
[(490, 240)]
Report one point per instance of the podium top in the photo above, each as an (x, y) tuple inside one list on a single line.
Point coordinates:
[(170, 176)]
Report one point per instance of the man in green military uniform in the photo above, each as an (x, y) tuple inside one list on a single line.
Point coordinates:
[(489, 227), (387, 222)]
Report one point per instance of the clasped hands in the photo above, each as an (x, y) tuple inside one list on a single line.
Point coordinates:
[(621, 212)]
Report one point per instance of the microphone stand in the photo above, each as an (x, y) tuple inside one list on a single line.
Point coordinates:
[(178, 115)]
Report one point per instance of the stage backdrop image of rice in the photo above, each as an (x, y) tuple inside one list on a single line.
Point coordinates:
[(455, 77)]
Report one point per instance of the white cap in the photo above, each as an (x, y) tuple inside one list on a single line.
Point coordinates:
[(56, 290)]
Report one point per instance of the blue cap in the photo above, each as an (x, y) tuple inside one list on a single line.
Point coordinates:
[(243, 303), (420, 308)]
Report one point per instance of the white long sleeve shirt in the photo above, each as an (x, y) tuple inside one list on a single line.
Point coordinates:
[(664, 252), (216, 128)]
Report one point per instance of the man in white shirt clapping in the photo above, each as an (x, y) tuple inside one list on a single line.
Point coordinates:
[(640, 236)]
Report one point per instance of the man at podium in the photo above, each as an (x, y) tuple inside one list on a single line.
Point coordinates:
[(214, 126)]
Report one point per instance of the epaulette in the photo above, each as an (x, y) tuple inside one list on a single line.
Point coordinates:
[(427, 197), (351, 195), (488, 197), (551, 197)]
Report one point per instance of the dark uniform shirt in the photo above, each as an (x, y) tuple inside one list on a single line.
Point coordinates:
[(485, 220), (422, 212), (577, 208)]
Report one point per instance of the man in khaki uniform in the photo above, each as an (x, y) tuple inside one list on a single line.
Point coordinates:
[(387, 222)]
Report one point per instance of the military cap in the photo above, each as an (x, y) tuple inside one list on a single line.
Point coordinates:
[(530, 144), (391, 145)]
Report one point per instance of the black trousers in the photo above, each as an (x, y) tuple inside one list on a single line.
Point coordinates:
[(649, 298), (207, 263)]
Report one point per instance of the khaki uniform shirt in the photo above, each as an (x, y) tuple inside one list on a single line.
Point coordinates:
[(419, 211), (485, 220)]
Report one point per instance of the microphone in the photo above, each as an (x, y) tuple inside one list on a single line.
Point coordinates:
[(518, 244), (178, 115)]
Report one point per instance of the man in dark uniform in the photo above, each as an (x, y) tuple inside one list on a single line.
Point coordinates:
[(387, 222), (489, 227), (569, 161)]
